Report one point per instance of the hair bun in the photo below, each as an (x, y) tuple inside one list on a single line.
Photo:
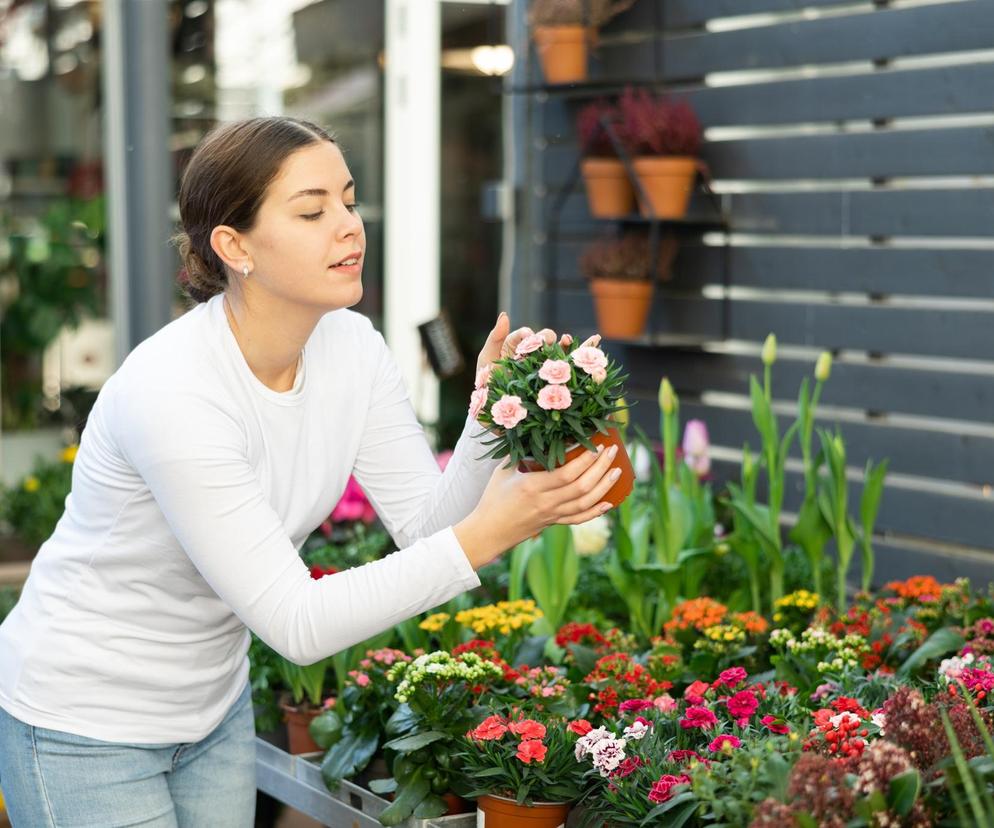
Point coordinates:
[(197, 278)]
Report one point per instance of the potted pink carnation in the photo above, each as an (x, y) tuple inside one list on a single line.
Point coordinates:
[(551, 400)]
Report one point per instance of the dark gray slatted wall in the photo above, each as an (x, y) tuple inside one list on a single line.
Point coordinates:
[(853, 148)]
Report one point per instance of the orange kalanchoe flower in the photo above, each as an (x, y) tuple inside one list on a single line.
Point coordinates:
[(751, 622), (918, 588), (698, 613)]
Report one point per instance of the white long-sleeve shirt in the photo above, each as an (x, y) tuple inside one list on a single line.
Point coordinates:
[(193, 489)]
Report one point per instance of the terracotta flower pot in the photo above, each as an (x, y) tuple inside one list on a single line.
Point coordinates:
[(623, 487), (668, 182), (457, 805), (298, 720), (498, 812), (622, 306), (562, 51), (609, 191)]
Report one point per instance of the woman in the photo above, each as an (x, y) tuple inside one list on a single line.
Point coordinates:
[(209, 457)]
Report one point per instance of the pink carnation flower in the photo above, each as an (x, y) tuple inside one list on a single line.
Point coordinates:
[(566, 340), (598, 375), (554, 398), (742, 705), (719, 742), (665, 703), (662, 790), (555, 371), (483, 375), (530, 343), (354, 505), (771, 724), (731, 677), (588, 358), (477, 400), (548, 335), (592, 342), (699, 717), (508, 411)]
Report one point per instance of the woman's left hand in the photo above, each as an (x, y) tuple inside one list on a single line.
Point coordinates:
[(502, 344)]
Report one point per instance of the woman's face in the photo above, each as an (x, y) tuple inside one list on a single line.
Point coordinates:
[(308, 243)]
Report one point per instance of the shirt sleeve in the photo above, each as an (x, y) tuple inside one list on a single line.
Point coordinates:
[(397, 470), (192, 455)]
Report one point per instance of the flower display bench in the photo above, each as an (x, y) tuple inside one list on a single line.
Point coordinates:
[(296, 781)]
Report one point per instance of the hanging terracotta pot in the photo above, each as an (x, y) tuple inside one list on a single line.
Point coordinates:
[(623, 486), (298, 721), (622, 306), (668, 182), (562, 51), (498, 812), (609, 190)]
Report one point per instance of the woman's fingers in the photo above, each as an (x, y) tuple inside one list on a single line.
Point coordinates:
[(513, 340), (590, 489)]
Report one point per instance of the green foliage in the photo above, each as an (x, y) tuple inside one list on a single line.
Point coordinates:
[(8, 597), (56, 270), (33, 507), (544, 434)]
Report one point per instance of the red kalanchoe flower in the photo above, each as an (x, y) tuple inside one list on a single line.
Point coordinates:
[(699, 717), (531, 750), (528, 729), (844, 704)]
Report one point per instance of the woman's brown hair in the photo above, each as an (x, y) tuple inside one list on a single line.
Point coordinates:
[(225, 183)]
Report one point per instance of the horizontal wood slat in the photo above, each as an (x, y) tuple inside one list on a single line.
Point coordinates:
[(684, 14), (882, 270), (880, 34), (880, 212), (923, 514), (888, 93), (939, 455), (864, 386), (875, 328)]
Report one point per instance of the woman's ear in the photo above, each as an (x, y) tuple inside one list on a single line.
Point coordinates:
[(228, 244)]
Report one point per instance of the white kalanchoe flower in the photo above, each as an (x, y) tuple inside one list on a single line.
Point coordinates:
[(591, 538)]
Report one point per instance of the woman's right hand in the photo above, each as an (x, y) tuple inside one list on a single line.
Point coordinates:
[(518, 505)]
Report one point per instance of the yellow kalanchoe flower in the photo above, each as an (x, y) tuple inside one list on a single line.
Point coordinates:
[(31, 484), (433, 623)]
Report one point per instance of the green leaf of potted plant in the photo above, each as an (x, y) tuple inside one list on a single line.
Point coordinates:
[(524, 771), (618, 271), (551, 400), (664, 136), (437, 693), (562, 29)]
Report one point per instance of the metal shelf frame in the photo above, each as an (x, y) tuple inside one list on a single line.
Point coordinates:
[(296, 781)]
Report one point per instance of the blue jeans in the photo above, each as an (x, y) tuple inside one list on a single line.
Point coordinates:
[(52, 779)]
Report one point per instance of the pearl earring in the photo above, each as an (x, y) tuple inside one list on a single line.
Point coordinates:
[(245, 271)]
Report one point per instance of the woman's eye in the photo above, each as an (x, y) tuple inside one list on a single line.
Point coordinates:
[(313, 216), (353, 207)]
